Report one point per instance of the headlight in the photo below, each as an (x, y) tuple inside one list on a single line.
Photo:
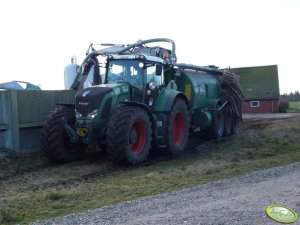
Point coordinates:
[(92, 115), (77, 114), (152, 86), (140, 57), (150, 102)]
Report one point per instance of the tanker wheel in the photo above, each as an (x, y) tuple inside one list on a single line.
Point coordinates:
[(177, 129), (233, 126), (55, 141), (228, 121), (216, 129), (129, 136)]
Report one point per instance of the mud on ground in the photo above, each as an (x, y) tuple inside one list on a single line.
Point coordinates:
[(96, 164), (59, 187)]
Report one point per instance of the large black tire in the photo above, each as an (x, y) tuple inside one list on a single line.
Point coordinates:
[(233, 126), (216, 129), (177, 128), (129, 136), (228, 121), (55, 141)]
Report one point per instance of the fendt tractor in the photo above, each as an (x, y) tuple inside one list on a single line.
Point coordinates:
[(131, 98)]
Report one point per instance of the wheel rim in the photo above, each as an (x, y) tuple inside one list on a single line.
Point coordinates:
[(178, 129), (138, 142)]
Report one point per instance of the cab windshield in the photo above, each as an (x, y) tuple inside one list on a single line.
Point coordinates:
[(126, 71), (133, 71)]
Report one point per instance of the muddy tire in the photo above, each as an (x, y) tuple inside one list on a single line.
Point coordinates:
[(228, 121), (177, 128), (216, 129), (55, 142), (233, 126), (129, 136)]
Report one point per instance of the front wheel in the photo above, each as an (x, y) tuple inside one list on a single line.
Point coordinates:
[(54, 139), (129, 135), (177, 128)]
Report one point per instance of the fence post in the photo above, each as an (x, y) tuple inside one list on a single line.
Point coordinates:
[(11, 118)]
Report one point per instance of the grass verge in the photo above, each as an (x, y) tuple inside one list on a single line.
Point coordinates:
[(294, 107), (51, 191)]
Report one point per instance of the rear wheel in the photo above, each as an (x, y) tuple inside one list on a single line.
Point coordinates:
[(216, 128), (233, 126), (177, 129), (54, 139), (228, 121), (129, 135)]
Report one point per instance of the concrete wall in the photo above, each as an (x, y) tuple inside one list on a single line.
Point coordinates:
[(21, 116)]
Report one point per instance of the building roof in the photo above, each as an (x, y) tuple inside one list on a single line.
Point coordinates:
[(259, 82), (19, 85)]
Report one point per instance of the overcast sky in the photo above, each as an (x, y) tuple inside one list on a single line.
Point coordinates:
[(38, 38)]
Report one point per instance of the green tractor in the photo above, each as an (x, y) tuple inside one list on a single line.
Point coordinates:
[(143, 99)]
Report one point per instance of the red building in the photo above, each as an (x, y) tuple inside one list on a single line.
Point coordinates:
[(261, 88)]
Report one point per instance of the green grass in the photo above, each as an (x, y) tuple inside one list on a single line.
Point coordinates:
[(294, 107), (294, 104), (25, 198)]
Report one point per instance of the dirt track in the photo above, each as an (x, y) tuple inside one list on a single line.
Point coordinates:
[(239, 201), (269, 115)]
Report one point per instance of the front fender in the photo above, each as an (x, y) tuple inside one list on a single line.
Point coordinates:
[(69, 106)]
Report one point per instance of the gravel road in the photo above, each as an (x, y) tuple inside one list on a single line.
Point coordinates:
[(240, 201)]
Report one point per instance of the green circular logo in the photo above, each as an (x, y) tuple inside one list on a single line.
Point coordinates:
[(281, 214)]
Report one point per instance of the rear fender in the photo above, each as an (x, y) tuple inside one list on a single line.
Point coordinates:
[(165, 100), (162, 108)]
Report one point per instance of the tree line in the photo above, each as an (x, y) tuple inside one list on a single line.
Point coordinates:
[(291, 97)]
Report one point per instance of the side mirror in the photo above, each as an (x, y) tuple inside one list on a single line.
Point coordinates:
[(158, 69)]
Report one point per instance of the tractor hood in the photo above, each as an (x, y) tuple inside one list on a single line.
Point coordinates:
[(90, 99), (121, 88)]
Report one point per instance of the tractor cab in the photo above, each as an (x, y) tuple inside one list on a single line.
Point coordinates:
[(143, 76)]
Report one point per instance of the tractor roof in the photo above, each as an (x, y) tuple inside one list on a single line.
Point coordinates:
[(138, 56)]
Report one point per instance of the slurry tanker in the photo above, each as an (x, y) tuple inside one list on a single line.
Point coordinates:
[(131, 98)]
